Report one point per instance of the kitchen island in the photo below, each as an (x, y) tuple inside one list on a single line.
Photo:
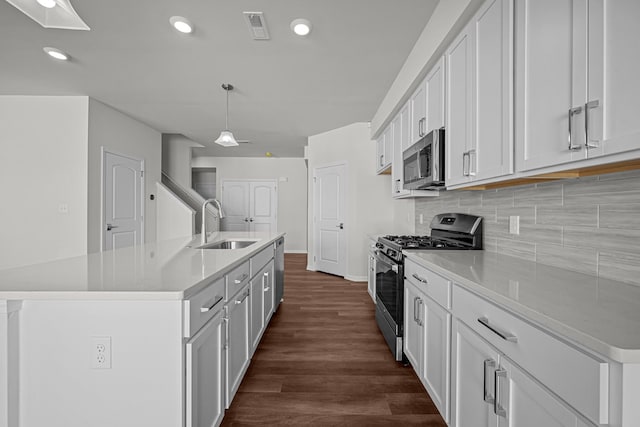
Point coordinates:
[(124, 337)]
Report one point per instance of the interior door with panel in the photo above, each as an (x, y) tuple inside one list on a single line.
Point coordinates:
[(330, 204), (551, 63), (263, 205), (235, 204), (123, 201)]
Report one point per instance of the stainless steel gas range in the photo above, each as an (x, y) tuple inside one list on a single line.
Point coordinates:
[(450, 231)]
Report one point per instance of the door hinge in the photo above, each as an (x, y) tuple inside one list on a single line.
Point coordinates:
[(141, 174), (314, 179)]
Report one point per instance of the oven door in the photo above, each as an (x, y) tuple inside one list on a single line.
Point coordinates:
[(389, 289)]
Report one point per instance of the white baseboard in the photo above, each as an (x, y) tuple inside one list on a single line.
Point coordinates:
[(356, 278), (295, 251)]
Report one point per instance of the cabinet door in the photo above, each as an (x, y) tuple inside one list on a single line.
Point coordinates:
[(204, 375), (551, 54), (435, 88), (437, 342), (613, 78), (418, 102), (380, 152), (527, 404), (237, 355), (268, 285), (459, 83), (256, 303), (396, 165), (413, 329), (492, 154), (472, 380)]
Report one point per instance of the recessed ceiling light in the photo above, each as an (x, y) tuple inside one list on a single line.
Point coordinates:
[(49, 4), (56, 53), (181, 24), (301, 27)]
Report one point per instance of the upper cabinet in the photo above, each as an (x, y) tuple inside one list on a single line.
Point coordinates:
[(418, 108), (574, 102), (479, 143), (384, 151)]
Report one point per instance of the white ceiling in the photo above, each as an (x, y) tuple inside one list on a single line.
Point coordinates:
[(286, 88)]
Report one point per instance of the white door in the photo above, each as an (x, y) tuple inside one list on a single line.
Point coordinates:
[(330, 202), (263, 204), (249, 206), (123, 195), (235, 204)]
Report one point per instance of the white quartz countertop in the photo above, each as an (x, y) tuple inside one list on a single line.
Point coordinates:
[(599, 314), (170, 269)]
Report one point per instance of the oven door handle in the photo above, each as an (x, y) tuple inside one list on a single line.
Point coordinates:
[(380, 259)]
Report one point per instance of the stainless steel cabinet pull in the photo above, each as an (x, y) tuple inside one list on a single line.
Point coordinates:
[(472, 161), (381, 160), (504, 335), (497, 408), (588, 106), (415, 309), (465, 163), (266, 274), (238, 302), (572, 112), (241, 279), (488, 363), (267, 289), (218, 298), (420, 279), (419, 311)]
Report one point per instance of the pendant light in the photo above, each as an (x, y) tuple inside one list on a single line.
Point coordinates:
[(226, 138)]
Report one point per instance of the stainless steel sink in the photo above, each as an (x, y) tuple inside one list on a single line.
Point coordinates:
[(228, 244)]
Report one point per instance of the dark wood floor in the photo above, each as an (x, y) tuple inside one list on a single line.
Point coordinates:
[(323, 362)]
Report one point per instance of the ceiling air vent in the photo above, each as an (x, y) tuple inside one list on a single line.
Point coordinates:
[(257, 25)]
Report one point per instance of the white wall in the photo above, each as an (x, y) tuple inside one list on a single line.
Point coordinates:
[(43, 164), (370, 206), (176, 158), (174, 217), (292, 194), (121, 134)]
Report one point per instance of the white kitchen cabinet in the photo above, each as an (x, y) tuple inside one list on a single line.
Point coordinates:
[(256, 303), (384, 145), (371, 279), (435, 89), (268, 288), (237, 343), (204, 381), (479, 88), (427, 332), (489, 390), (418, 109)]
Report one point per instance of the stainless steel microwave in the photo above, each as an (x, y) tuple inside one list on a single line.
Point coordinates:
[(423, 162)]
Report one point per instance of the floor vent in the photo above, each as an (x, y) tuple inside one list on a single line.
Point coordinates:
[(257, 25)]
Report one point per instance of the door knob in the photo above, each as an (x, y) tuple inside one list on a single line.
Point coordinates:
[(111, 227), (340, 226), (250, 219), (246, 220)]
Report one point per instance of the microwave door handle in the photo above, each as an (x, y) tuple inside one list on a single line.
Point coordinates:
[(419, 164)]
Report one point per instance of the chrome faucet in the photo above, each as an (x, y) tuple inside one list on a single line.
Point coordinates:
[(203, 230)]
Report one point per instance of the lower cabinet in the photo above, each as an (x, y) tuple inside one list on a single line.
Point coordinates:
[(427, 329), (488, 389), (261, 302), (204, 381), (371, 279), (237, 343)]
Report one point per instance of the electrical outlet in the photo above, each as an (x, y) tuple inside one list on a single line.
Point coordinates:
[(514, 224), (421, 219), (101, 352)]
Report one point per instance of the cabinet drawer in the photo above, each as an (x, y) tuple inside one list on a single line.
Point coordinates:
[(203, 306), (582, 380), (261, 259), (236, 279), (432, 284)]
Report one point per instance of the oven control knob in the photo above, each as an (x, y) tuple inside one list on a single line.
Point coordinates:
[(391, 253), (379, 245)]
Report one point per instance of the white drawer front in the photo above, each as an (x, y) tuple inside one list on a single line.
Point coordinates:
[(203, 306), (261, 259), (580, 379), (236, 279), (432, 284)]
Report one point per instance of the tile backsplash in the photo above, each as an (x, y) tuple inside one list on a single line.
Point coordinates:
[(590, 225)]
